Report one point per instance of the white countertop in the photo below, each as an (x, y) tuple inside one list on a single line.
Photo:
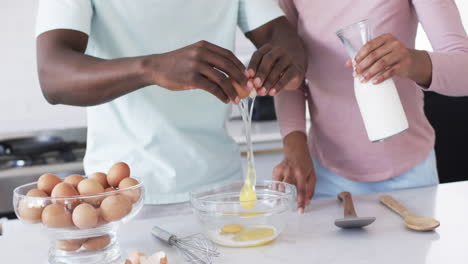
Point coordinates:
[(309, 238)]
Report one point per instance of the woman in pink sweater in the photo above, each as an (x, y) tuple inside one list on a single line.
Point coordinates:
[(336, 155)]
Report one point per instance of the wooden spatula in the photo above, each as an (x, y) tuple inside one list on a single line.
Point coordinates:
[(351, 220)]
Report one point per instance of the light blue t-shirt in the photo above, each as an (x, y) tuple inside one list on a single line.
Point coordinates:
[(174, 141)]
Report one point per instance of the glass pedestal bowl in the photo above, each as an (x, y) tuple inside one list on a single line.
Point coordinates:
[(226, 222), (70, 244)]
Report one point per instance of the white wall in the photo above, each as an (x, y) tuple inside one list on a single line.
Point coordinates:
[(423, 43), (22, 106)]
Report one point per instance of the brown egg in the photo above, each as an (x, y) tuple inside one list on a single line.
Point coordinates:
[(101, 220), (110, 189), (127, 261), (74, 179), (117, 172), (101, 178), (28, 212), (69, 245), (30, 209), (134, 194), (36, 193), (63, 190), (97, 243), (47, 182), (241, 91), (115, 207), (85, 216), (56, 216), (90, 186)]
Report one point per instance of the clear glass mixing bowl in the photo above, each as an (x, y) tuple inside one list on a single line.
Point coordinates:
[(227, 223), (68, 243)]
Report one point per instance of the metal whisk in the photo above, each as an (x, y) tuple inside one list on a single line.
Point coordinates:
[(195, 248)]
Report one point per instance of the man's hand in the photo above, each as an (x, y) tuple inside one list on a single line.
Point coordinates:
[(385, 57), (297, 168), (199, 66), (95, 80), (272, 70)]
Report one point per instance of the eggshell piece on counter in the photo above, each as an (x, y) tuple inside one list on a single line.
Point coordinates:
[(97, 243), (85, 216), (157, 258), (74, 179), (56, 216), (118, 172), (90, 186), (115, 207), (134, 194), (69, 245), (47, 182), (101, 178), (136, 257)]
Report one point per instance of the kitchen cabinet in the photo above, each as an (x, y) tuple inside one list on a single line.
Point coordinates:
[(308, 238)]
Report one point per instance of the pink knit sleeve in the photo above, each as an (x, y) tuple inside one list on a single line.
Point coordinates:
[(443, 25), (290, 105), (290, 10), (290, 110)]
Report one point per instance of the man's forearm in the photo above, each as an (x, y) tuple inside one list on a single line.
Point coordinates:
[(90, 81), (85, 81), (68, 76)]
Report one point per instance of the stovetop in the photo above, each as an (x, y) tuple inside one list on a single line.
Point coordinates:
[(42, 154), (47, 158), (24, 166)]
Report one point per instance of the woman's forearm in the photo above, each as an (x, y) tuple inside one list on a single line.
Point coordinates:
[(421, 68), (295, 143)]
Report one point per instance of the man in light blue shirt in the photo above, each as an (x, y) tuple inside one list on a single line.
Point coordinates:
[(156, 77)]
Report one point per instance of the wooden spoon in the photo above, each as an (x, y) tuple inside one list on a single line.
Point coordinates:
[(413, 222)]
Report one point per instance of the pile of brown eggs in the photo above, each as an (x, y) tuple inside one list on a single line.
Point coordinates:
[(78, 202)]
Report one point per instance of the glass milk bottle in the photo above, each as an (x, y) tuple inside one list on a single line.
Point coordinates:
[(380, 105)]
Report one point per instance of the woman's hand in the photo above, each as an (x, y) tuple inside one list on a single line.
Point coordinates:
[(385, 57), (297, 168), (273, 69)]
